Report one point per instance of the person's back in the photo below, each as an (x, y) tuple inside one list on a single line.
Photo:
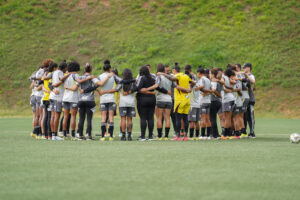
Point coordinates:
[(183, 80), (109, 85)]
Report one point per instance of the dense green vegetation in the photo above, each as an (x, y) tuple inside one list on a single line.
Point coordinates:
[(263, 168), (134, 32)]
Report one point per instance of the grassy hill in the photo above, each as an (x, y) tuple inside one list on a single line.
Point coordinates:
[(133, 32)]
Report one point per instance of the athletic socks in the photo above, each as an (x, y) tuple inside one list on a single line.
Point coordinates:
[(167, 130), (203, 132), (65, 133), (191, 132), (159, 132), (181, 131), (73, 133), (208, 131), (197, 133), (111, 129), (103, 129)]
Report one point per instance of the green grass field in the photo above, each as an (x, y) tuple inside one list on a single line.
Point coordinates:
[(264, 168)]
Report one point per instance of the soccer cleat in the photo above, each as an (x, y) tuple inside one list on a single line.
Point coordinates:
[(150, 138), (202, 138), (102, 139), (74, 139), (33, 135), (111, 139), (197, 138), (60, 133), (89, 138), (166, 138), (123, 137), (142, 139), (159, 139), (252, 136), (224, 137), (129, 138), (185, 138), (57, 138), (230, 137), (44, 137), (236, 137), (244, 135), (177, 138), (182, 134)]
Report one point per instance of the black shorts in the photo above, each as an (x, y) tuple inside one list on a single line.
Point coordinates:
[(69, 105), (228, 106), (164, 105), (108, 106), (245, 105), (205, 108), (237, 110), (127, 111), (45, 104), (194, 114)]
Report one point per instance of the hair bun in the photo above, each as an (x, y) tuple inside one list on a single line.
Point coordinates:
[(176, 63), (106, 62)]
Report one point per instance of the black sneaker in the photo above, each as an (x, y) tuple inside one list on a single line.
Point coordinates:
[(141, 139), (90, 138), (150, 138), (252, 135), (123, 138), (129, 138)]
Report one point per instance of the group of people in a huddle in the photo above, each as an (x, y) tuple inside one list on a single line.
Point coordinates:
[(191, 101)]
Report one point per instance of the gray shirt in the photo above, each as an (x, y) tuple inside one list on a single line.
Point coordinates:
[(204, 81), (216, 86), (245, 93), (70, 95), (109, 84), (89, 96), (128, 100), (196, 96), (57, 75), (238, 99), (228, 96), (167, 84), (39, 74)]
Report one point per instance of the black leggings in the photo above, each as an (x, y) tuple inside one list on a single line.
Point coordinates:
[(249, 117), (179, 117), (47, 118), (146, 112), (173, 116), (86, 108), (214, 108)]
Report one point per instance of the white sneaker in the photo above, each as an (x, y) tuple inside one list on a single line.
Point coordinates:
[(61, 134), (57, 138), (201, 138)]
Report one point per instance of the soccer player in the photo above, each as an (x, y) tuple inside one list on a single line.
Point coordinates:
[(228, 103), (163, 101), (249, 115), (47, 79), (181, 100), (39, 95), (127, 104), (71, 97), (33, 104), (56, 96), (245, 97), (146, 101), (205, 88), (216, 100), (86, 103), (194, 112), (237, 116), (107, 100)]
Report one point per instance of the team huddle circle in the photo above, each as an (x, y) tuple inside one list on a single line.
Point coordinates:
[(188, 101)]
